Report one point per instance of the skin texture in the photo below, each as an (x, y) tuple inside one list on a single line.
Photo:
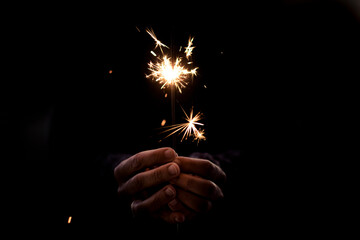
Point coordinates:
[(160, 184)]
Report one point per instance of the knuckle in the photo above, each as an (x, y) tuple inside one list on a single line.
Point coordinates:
[(223, 176), (156, 202), (121, 190), (212, 190), (157, 175), (137, 208), (136, 182), (189, 183), (136, 162), (117, 173)]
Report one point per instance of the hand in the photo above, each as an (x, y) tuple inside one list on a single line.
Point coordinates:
[(196, 186), (133, 181)]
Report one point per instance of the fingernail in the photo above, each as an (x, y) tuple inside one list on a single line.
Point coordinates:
[(170, 192), (173, 170), (179, 218), (170, 154)]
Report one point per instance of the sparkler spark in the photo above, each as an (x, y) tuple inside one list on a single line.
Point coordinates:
[(165, 71), (189, 128), (189, 48), (168, 74), (157, 42)]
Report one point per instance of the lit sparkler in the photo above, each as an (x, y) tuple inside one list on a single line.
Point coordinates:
[(189, 129), (174, 74), (167, 72)]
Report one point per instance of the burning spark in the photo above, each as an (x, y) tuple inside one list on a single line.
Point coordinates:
[(189, 128), (69, 219), (157, 42), (168, 74), (163, 122), (189, 48), (165, 70)]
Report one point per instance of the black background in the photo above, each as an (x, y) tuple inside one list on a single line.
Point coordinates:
[(279, 78)]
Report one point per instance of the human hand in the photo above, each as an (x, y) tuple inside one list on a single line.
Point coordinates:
[(196, 186), (134, 180)]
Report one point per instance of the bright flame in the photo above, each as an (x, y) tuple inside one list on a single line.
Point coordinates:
[(168, 74), (165, 71), (189, 128)]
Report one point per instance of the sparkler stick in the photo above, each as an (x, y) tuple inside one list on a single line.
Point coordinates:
[(174, 75), (171, 74), (173, 113)]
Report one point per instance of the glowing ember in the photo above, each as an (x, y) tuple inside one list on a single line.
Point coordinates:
[(163, 122)]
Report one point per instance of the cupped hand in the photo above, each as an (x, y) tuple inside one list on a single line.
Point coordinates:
[(197, 186), (144, 171)]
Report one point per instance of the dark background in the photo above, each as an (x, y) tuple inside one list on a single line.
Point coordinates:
[(280, 79)]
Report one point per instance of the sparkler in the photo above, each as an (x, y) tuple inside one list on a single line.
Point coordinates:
[(168, 74), (189, 128), (175, 75), (165, 71)]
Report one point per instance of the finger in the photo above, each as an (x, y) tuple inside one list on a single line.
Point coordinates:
[(201, 167), (155, 202), (172, 217), (142, 160), (197, 185), (148, 179), (177, 206), (194, 202)]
